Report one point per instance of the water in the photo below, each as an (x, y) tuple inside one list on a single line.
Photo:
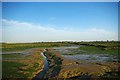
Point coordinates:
[(92, 57), (64, 50), (46, 67), (84, 57)]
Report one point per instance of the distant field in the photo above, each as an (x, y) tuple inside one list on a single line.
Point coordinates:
[(111, 48), (102, 44), (98, 47), (96, 50), (23, 46)]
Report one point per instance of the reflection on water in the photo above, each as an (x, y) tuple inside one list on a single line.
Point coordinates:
[(91, 57), (46, 67)]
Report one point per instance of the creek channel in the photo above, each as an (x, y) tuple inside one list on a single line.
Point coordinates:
[(41, 74)]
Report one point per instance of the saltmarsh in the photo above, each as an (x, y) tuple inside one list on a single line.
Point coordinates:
[(97, 50), (21, 66)]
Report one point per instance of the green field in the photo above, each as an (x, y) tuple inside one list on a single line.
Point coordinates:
[(12, 56), (23, 46), (96, 50)]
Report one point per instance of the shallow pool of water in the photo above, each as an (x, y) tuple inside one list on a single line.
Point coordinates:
[(65, 51), (92, 57)]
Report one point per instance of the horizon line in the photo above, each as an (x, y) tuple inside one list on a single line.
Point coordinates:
[(65, 41)]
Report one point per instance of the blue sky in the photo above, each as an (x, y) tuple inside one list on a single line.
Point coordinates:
[(70, 18)]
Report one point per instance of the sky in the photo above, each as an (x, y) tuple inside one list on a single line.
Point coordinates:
[(59, 21)]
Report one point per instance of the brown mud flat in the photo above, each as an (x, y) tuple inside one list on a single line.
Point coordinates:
[(61, 67)]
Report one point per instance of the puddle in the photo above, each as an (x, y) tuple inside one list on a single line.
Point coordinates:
[(84, 57), (64, 50), (92, 57)]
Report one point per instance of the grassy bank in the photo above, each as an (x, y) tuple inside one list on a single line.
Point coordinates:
[(21, 66), (11, 70)]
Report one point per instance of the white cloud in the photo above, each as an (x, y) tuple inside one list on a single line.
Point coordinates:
[(14, 31)]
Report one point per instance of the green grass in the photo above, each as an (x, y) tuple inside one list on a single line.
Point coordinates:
[(22, 66), (23, 46), (101, 43), (96, 50), (11, 70), (15, 55), (90, 49)]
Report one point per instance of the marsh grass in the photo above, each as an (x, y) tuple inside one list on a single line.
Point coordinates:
[(23, 46), (11, 70), (12, 56), (96, 50), (22, 66)]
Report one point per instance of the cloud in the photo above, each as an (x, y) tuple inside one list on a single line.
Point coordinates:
[(14, 31)]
